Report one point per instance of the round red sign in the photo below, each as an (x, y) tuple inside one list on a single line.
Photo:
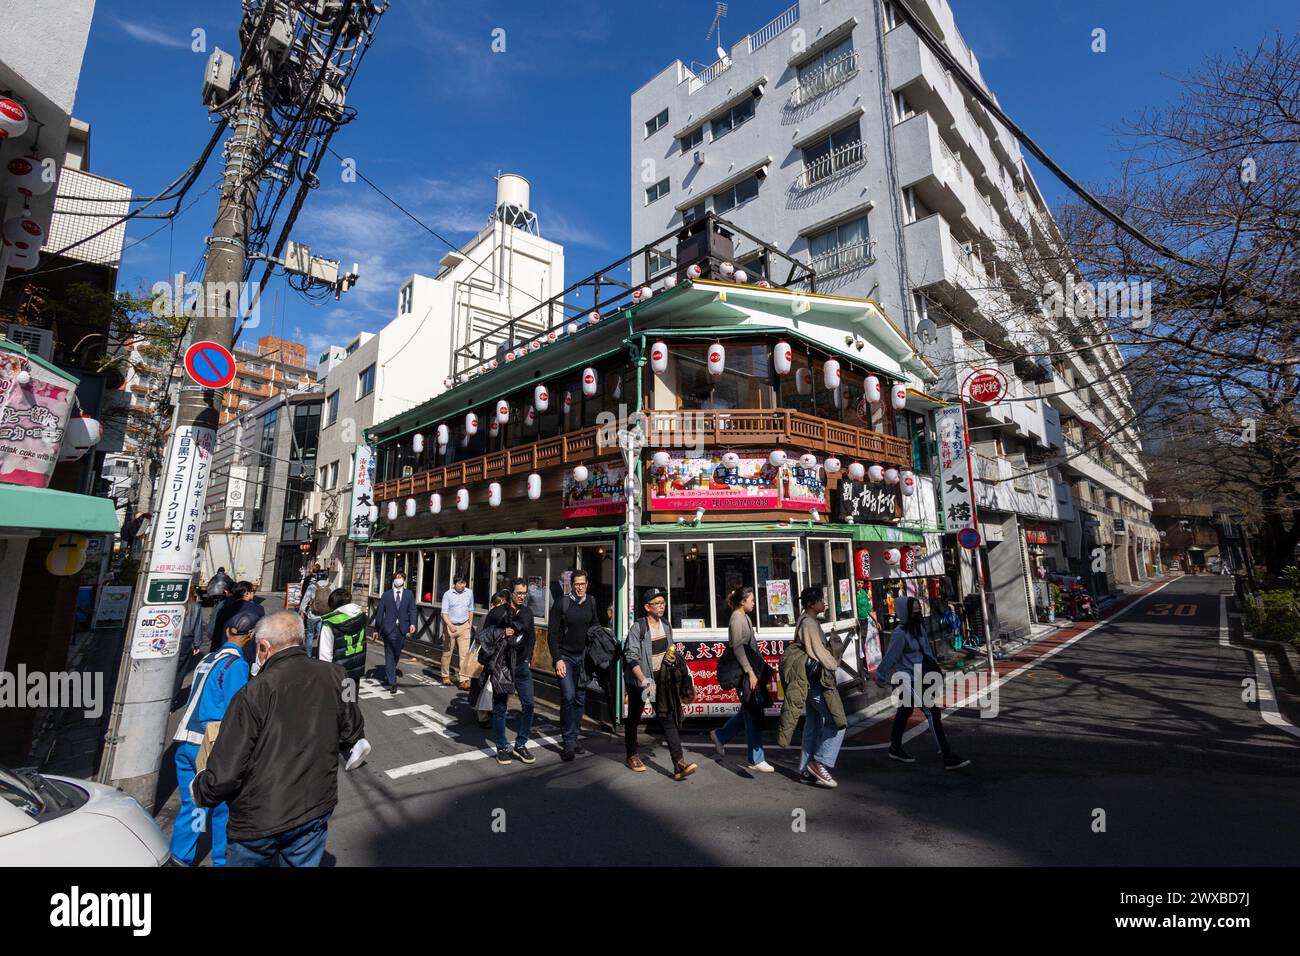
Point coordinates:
[(986, 387)]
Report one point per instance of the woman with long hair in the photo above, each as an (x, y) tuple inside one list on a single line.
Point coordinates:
[(744, 644)]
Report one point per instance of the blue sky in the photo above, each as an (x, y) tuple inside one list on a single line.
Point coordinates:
[(440, 114)]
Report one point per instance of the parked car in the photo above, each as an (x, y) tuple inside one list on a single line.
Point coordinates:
[(57, 821)]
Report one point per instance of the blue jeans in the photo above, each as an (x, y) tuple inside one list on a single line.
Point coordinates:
[(192, 820), (821, 738), (311, 633), (302, 846), (524, 688), (752, 721), (573, 699)]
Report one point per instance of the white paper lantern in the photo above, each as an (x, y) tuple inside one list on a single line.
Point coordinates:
[(567, 405), (462, 499), (25, 176), (471, 424), (891, 476), (392, 511), (832, 466), (435, 504), (530, 416), (541, 398), (13, 118), (444, 436), (782, 358), (417, 443), (23, 232), (589, 382), (731, 460), (898, 397), (808, 461), (503, 412), (872, 389), (727, 269), (831, 373), (803, 381), (534, 486), (593, 317), (373, 513), (642, 294), (856, 471), (581, 474), (694, 271), (717, 359), (659, 357), (571, 328), (25, 259), (534, 345), (741, 275), (494, 494), (82, 435), (876, 473), (893, 557), (909, 483), (662, 458), (494, 428), (552, 337), (777, 458), (410, 507), (764, 284), (670, 281), (510, 356)]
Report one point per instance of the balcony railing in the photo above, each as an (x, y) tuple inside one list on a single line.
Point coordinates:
[(845, 258), (839, 160), (825, 78), (738, 427), (778, 26)]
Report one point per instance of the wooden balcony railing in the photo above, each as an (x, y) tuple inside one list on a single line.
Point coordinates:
[(668, 429)]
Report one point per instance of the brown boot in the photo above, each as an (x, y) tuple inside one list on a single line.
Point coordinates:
[(634, 763), (464, 685), (682, 769), (446, 681)]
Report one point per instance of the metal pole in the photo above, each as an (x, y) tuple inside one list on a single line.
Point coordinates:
[(975, 523), (137, 733)]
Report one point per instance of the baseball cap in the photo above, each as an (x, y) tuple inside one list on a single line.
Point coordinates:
[(245, 619), (649, 594)]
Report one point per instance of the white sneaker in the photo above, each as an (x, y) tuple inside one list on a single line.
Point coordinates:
[(358, 755), (718, 749), (762, 767)]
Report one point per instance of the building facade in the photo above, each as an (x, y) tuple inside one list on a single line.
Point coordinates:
[(837, 136)]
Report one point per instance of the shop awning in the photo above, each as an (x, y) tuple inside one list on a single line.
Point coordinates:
[(886, 532), (44, 509)]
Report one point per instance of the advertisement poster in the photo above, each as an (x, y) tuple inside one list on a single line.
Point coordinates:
[(750, 484), (603, 493), (363, 494), (33, 420), (954, 470), (710, 699), (778, 598), (846, 595), (114, 606), (157, 631), (184, 484)]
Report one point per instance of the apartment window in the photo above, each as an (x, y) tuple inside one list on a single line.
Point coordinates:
[(656, 122), (729, 120), (743, 191), (914, 209), (841, 248), (355, 344), (659, 262), (889, 15), (331, 408), (839, 151), (693, 213), (826, 70), (366, 382), (692, 139), (404, 299), (657, 191), (902, 108)]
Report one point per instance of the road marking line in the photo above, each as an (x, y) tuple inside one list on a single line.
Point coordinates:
[(1267, 699), (437, 763)]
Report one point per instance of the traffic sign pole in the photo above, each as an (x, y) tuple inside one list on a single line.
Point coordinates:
[(974, 517)]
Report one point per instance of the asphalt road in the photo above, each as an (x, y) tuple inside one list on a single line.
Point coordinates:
[(1141, 719)]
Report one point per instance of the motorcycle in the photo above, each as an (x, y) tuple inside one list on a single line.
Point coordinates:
[(1079, 605)]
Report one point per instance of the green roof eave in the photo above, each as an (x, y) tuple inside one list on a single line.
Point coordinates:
[(44, 509), (37, 360)]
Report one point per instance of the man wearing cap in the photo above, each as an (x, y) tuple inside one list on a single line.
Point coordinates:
[(219, 676)]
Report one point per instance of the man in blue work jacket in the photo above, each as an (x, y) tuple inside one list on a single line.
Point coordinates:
[(394, 621), (219, 676)]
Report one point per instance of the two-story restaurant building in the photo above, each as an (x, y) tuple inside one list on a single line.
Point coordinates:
[(784, 445)]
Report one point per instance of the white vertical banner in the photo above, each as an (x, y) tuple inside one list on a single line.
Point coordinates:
[(236, 493), (363, 494), (185, 482), (954, 470)]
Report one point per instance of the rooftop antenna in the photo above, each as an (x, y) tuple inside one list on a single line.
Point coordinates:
[(716, 27)]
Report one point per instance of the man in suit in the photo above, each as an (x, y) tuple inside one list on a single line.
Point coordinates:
[(394, 622)]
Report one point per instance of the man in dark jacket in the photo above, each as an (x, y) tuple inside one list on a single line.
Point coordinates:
[(395, 620), (240, 596), (276, 758), (571, 617), (218, 586), (513, 624)]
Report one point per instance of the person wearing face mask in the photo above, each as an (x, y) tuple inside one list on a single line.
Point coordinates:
[(275, 762), (394, 622)]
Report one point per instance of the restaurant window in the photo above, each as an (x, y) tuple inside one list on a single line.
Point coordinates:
[(376, 572), (746, 382), (819, 573), (505, 572), (458, 563), (690, 586), (430, 587), (733, 567), (841, 602), (480, 579), (598, 562), (778, 583), (789, 395), (533, 571), (651, 572), (563, 561)]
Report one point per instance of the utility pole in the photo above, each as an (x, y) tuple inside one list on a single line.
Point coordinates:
[(137, 732)]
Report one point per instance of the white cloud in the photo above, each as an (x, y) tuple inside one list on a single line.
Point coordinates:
[(147, 34)]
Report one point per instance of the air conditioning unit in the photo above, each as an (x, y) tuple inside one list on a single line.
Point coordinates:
[(36, 341), (321, 521), (699, 157)]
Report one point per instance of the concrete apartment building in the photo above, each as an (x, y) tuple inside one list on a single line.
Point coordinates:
[(505, 271), (834, 134)]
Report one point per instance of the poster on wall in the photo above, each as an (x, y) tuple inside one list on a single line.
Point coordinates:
[(846, 595), (863, 502), (745, 481), (157, 631), (114, 606), (603, 493), (778, 598), (954, 470), (33, 420), (363, 494), (184, 485)]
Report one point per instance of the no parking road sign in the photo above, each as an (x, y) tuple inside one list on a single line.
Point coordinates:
[(968, 538), (210, 365)]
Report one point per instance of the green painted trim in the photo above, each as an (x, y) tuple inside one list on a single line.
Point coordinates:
[(45, 509)]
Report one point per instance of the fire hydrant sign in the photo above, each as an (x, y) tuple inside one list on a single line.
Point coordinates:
[(157, 631), (184, 484)]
